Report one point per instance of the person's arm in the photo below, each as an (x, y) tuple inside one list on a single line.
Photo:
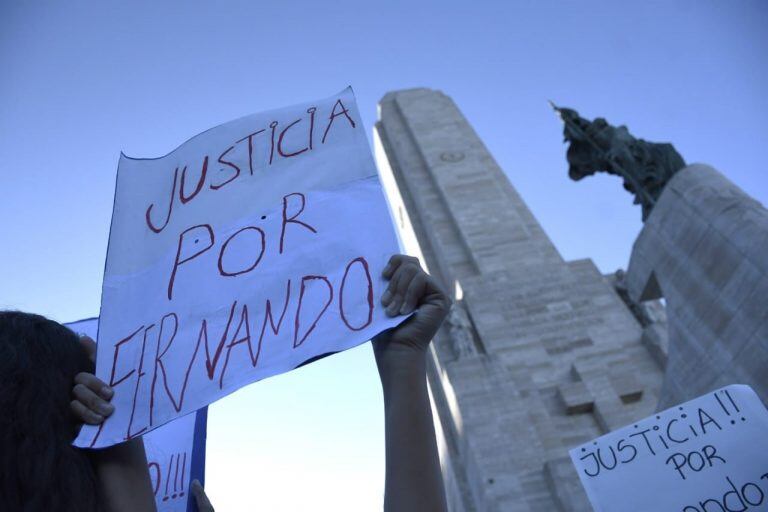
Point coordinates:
[(123, 477), (413, 477), (121, 470)]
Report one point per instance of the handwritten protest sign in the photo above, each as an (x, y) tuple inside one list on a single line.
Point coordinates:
[(706, 455), (175, 451), (175, 457), (251, 249)]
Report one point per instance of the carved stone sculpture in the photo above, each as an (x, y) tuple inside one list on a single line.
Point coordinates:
[(597, 146), (460, 329)]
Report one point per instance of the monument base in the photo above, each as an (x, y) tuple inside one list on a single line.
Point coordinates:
[(703, 249)]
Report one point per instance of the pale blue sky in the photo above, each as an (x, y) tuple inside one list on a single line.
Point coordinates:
[(81, 81)]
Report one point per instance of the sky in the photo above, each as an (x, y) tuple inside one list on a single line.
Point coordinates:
[(82, 81)]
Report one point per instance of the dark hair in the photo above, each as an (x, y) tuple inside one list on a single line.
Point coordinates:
[(40, 470)]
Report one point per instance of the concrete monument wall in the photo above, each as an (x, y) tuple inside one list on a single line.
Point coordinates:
[(704, 248), (539, 354)]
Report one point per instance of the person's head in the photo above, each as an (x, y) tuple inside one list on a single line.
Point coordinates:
[(39, 468)]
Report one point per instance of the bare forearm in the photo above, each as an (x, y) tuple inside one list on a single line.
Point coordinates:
[(123, 477), (413, 478)]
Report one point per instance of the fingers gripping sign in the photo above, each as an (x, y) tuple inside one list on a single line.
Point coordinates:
[(412, 289), (91, 396), (401, 271), (90, 399)]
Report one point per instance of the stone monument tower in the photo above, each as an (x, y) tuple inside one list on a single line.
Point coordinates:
[(539, 354)]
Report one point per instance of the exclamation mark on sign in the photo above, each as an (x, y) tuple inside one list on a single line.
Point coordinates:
[(167, 479), (175, 476), (183, 472), (733, 403), (721, 403)]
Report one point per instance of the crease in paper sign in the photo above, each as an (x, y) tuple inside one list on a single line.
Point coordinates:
[(270, 222), (209, 287), (171, 182)]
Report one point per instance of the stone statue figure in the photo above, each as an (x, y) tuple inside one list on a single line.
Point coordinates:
[(460, 330), (597, 146)]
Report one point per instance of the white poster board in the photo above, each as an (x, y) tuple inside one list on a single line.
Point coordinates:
[(707, 455), (170, 456), (175, 451), (251, 249)]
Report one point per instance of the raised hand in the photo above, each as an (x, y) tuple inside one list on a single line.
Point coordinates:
[(91, 396), (413, 479), (411, 288)]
